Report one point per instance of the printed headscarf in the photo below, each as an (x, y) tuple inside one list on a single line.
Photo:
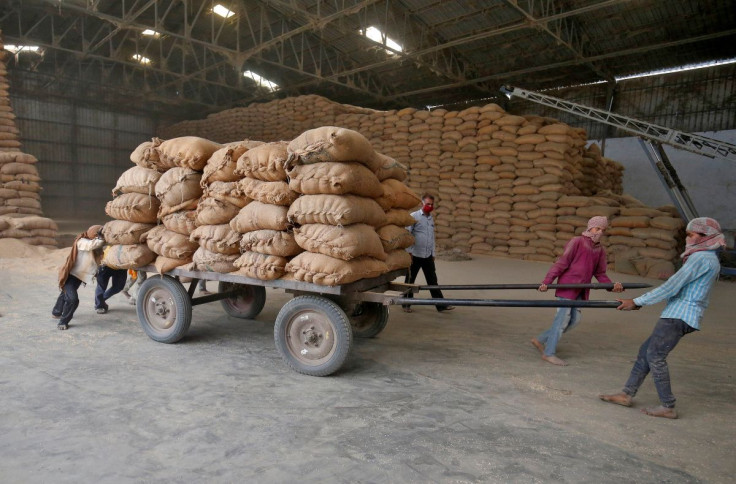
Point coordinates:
[(64, 270), (598, 221), (711, 240)]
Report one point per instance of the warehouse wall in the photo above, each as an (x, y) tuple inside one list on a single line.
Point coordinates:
[(711, 183), (81, 151)]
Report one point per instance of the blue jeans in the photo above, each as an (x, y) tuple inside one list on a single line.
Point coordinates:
[(653, 357), (68, 300), (102, 293), (565, 320)]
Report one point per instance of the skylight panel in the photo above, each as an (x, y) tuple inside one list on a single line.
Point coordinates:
[(222, 11), (379, 37), (150, 33), (142, 59), (261, 81), (689, 67), (22, 48)]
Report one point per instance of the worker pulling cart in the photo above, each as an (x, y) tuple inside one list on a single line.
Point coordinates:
[(314, 331)]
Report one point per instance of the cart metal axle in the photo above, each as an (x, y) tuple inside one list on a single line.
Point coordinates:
[(510, 303), (460, 287)]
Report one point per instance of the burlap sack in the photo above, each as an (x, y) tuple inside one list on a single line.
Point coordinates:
[(390, 168), (328, 271), (33, 223), (4, 223), (146, 156), (397, 195), (44, 233), (137, 180), (394, 237), (335, 178), (330, 143), (344, 243), (273, 192), (226, 192), (24, 202), (181, 222), (273, 242), (259, 216), (204, 260), (400, 217), (661, 270), (178, 187), (266, 162), (128, 256), (18, 169), (598, 211), (398, 259), (653, 233), (632, 222), (336, 210), (217, 238), (169, 244), (122, 232), (211, 211), (22, 185), (165, 264), (133, 207), (261, 266), (13, 233), (667, 223), (187, 152), (222, 164)]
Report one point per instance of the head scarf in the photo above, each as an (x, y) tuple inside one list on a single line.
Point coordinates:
[(598, 221), (712, 240), (64, 270)]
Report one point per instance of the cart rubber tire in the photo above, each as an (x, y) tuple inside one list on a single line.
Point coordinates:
[(164, 309), (249, 302), (368, 319), (313, 335)]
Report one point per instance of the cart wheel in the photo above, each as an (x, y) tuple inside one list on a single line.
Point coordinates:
[(247, 304), (368, 319), (164, 309), (313, 335)]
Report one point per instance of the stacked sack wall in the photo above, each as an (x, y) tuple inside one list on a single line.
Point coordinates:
[(20, 202), (498, 177)]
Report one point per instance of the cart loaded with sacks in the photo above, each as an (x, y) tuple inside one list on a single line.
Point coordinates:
[(314, 331)]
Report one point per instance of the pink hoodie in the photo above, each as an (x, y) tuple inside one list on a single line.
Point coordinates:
[(581, 261)]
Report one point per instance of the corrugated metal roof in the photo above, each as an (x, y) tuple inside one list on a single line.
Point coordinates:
[(453, 48)]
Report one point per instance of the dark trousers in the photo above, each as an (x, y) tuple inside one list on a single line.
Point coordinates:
[(68, 300), (426, 264), (653, 357), (102, 293)]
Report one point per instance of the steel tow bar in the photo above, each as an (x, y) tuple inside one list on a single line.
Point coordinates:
[(508, 303), (460, 287)]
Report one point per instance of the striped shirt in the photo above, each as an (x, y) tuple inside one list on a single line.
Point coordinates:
[(423, 232), (687, 290)]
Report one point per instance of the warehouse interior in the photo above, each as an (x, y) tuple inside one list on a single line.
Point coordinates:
[(91, 88)]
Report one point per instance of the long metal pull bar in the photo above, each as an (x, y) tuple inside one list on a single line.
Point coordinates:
[(460, 287), (691, 142), (509, 303)]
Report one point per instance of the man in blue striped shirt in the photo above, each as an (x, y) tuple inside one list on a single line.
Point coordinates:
[(687, 293)]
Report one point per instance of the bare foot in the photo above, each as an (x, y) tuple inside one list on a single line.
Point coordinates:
[(660, 411), (554, 360), (538, 345), (617, 398)]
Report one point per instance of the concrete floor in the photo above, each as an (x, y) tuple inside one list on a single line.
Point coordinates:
[(454, 397)]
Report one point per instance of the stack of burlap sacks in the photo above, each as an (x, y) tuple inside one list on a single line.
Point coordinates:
[(275, 120), (498, 177), (20, 202), (325, 209)]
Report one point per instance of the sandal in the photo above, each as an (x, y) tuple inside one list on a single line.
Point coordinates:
[(408, 310), (62, 327)]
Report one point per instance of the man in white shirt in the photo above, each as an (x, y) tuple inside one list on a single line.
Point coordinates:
[(422, 252)]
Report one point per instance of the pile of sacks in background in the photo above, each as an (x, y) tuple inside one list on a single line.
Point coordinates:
[(499, 177), (324, 208), (20, 202)]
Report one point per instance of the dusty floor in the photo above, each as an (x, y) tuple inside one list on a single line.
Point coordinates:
[(454, 397)]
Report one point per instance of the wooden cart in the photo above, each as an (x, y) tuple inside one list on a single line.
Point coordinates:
[(314, 331)]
